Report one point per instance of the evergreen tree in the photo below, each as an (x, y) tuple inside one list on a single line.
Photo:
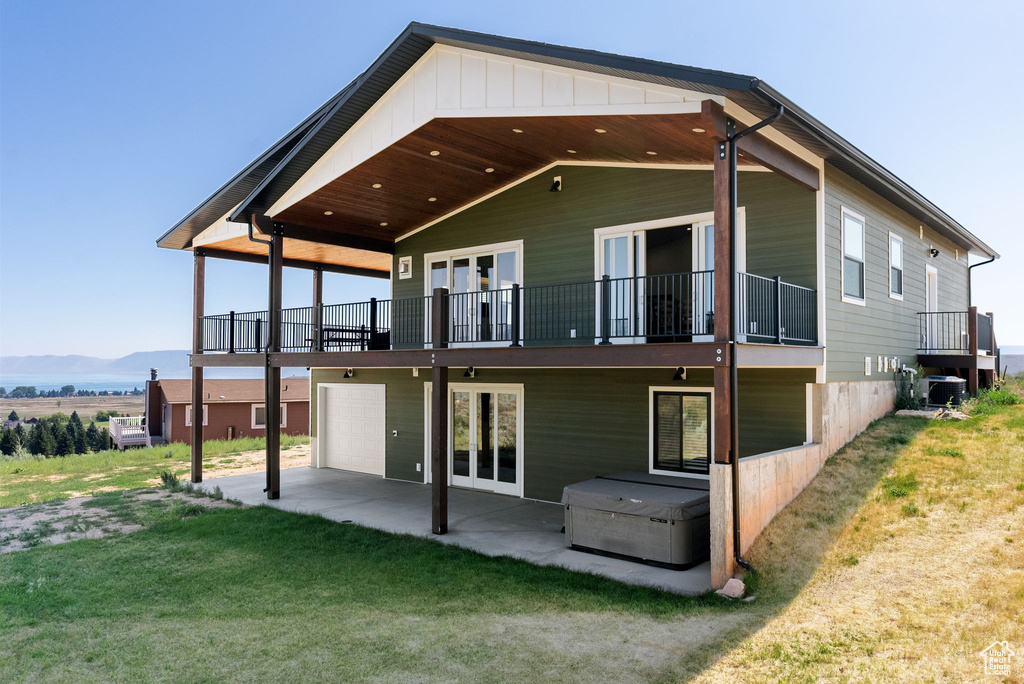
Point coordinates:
[(65, 442), (34, 440), (13, 415), (104, 439), (75, 420), (92, 437), (19, 434), (78, 437), (8, 443), (47, 442)]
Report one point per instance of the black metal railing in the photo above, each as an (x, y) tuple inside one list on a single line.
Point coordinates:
[(674, 307), (235, 332), (776, 312), (943, 332)]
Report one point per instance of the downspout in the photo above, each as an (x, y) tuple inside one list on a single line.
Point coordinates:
[(732, 137), (970, 298)]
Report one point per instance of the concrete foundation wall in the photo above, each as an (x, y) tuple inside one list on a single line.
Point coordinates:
[(839, 411)]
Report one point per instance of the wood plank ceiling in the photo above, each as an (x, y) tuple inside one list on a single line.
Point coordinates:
[(450, 162)]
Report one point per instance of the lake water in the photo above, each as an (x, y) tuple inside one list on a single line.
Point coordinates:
[(119, 383)]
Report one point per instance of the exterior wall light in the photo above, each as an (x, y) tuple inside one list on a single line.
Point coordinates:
[(680, 374), (933, 252)]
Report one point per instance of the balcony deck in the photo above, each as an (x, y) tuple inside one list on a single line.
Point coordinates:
[(640, 321)]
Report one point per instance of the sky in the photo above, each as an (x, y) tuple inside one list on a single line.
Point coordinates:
[(118, 118)]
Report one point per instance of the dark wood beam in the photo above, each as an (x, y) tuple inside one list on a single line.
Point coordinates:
[(330, 237), (695, 354), (291, 263), (757, 147), (198, 305), (318, 312), (272, 374), (439, 417), (723, 284)]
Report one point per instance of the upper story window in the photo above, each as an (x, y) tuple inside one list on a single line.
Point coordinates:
[(853, 257), (895, 266)]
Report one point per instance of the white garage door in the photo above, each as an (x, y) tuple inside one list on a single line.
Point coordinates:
[(351, 427)]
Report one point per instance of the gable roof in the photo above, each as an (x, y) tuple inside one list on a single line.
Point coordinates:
[(244, 391), (264, 181)]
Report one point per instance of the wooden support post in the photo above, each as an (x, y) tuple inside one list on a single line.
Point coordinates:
[(318, 310), (272, 377), (972, 349), (723, 284), (198, 304), (439, 417)]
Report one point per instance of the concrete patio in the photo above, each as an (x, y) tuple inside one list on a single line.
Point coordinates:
[(491, 524)]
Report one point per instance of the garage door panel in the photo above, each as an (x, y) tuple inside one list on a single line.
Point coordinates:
[(352, 420)]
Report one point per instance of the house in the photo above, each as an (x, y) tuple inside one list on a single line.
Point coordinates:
[(596, 264), (232, 408)]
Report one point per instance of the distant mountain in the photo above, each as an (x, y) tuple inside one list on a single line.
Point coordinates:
[(1013, 363), (1011, 349), (171, 363)]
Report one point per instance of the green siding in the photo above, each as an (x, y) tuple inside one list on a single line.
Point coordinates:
[(582, 423), (557, 228), (885, 326)]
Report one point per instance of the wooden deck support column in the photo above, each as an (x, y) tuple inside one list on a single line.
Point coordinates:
[(439, 416), (972, 349), (723, 284), (272, 379), (198, 304), (318, 311)]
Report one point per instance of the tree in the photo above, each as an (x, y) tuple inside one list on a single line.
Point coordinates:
[(8, 443), (65, 443), (92, 437), (75, 420), (19, 434), (3, 392), (79, 440), (67, 391), (13, 415), (24, 392), (47, 442)]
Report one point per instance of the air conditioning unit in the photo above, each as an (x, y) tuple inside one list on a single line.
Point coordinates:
[(943, 390)]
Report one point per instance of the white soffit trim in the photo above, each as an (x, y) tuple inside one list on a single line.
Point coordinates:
[(747, 119), (552, 165), (449, 82), (221, 229)]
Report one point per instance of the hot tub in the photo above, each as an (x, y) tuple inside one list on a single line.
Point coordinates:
[(655, 519)]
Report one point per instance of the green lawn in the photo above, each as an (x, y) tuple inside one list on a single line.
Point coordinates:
[(32, 481), (900, 562)]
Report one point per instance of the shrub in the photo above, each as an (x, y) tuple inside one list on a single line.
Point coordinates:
[(905, 394)]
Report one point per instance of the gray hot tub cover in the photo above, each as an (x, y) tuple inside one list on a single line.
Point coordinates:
[(636, 498)]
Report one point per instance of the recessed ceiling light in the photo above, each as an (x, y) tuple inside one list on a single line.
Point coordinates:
[(653, 154), (434, 153), (517, 130), (431, 199), (383, 224), (376, 185), (697, 130), (328, 213), (571, 151), (488, 170), (600, 130)]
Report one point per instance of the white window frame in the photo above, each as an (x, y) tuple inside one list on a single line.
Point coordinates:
[(188, 415), (481, 250), (284, 416), (846, 211), (710, 391), (893, 237)]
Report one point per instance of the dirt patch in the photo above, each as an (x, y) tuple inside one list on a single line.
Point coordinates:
[(93, 517), (250, 462)]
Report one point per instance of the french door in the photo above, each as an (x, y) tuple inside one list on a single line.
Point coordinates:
[(621, 257), (485, 438), (703, 304), (480, 283)]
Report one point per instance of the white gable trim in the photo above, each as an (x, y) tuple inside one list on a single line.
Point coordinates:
[(221, 229), (451, 82), (615, 165)]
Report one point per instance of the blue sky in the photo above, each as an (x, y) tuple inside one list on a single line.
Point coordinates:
[(117, 118)]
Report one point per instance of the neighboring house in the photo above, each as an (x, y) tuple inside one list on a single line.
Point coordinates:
[(574, 289), (231, 409)]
